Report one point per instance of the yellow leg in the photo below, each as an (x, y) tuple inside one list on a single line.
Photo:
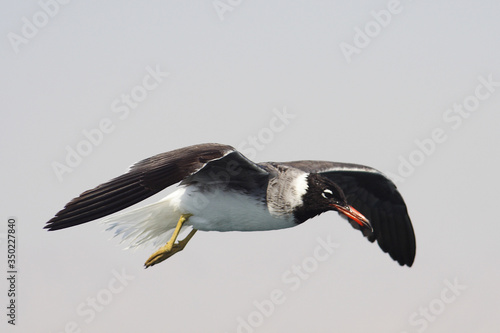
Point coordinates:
[(171, 248)]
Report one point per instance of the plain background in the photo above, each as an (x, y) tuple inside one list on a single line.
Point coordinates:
[(227, 73)]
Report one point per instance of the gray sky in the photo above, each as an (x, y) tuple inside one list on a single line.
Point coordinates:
[(411, 88)]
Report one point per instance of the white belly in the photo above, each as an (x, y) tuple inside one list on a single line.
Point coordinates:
[(226, 211)]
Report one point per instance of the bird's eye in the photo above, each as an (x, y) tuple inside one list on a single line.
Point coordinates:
[(327, 194)]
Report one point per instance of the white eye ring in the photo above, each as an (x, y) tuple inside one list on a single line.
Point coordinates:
[(326, 191)]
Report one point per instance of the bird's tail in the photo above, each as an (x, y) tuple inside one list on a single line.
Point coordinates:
[(153, 224)]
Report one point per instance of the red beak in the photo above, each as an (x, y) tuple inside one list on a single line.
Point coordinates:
[(353, 214)]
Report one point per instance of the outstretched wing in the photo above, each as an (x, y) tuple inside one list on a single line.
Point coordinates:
[(377, 198), (200, 163)]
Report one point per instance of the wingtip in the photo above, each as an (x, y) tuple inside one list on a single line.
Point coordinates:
[(53, 224), (412, 260), (50, 227), (406, 260), (407, 263)]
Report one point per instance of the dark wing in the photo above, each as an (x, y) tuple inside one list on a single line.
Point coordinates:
[(233, 171), (149, 177), (377, 198)]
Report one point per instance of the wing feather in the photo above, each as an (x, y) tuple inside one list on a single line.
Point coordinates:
[(143, 180)]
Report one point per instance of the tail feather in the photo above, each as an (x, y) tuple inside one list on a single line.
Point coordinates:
[(153, 224)]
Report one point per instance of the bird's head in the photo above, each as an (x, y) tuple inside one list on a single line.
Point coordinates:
[(323, 195)]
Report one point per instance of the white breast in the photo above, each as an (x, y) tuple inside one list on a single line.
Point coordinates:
[(220, 210)]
